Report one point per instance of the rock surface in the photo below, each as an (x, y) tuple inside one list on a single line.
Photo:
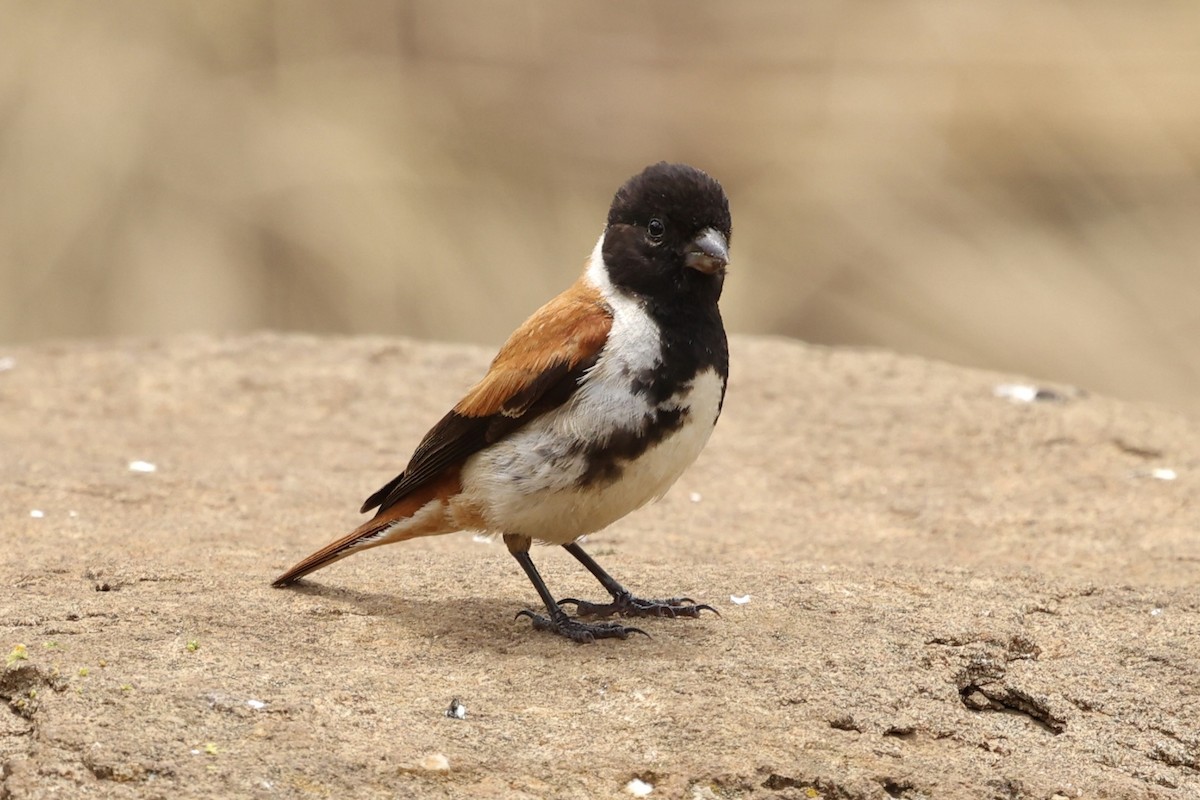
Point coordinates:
[(950, 594)]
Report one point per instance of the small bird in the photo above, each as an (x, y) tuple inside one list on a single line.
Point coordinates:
[(592, 408)]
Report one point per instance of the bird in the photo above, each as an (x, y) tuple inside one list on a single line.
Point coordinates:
[(593, 408)]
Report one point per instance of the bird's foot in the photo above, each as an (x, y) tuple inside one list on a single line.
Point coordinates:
[(576, 631), (626, 605)]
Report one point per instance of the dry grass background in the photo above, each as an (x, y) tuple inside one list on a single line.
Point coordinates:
[(1008, 184)]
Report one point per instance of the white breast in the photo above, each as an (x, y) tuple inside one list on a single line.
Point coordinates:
[(528, 483)]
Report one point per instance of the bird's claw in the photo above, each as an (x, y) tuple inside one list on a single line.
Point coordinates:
[(629, 606)]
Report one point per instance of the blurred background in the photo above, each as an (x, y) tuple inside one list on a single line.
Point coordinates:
[(1013, 185)]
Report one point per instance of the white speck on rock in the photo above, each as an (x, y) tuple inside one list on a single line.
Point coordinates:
[(739, 600), (482, 538), (257, 705), (1164, 474), (7, 363), (638, 787), (695, 497), (142, 466), (1156, 612), (37, 513), (1016, 392)]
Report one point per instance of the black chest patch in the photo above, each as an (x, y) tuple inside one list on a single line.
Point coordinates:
[(606, 461), (693, 341)]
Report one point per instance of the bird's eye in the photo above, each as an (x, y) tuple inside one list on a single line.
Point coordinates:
[(656, 229)]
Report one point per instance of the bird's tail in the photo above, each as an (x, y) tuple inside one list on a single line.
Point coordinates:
[(371, 534), (422, 513)]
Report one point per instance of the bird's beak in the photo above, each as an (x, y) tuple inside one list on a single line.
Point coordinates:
[(708, 252)]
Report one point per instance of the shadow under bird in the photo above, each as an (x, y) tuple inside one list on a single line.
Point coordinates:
[(593, 407)]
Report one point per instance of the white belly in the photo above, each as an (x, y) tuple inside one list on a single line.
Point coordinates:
[(529, 483)]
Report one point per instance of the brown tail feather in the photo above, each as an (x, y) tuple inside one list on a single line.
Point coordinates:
[(361, 537), (336, 551)]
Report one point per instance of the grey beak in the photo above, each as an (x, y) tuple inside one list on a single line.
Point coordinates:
[(708, 252)]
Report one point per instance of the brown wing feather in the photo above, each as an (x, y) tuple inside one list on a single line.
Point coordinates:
[(569, 329), (537, 369)]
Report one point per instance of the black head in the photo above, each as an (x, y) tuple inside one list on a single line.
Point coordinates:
[(668, 234)]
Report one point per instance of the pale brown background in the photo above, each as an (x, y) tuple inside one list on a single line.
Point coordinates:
[(1007, 184)]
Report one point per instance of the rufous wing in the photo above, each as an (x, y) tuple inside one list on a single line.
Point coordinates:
[(537, 369)]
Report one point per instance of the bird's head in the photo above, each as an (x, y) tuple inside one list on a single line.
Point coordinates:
[(668, 233)]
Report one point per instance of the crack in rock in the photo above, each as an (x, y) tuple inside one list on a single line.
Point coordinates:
[(981, 682), (1176, 751), (19, 688), (121, 772), (825, 788), (1007, 698), (897, 788)]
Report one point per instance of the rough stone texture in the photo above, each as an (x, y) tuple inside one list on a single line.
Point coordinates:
[(952, 595)]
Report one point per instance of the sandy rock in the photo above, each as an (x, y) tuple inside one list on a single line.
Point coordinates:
[(954, 595)]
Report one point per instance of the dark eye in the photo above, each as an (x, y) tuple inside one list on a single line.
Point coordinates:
[(656, 229)]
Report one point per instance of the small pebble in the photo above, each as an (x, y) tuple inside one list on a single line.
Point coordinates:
[(1024, 393), (435, 762), (638, 787), (1016, 392), (456, 710)]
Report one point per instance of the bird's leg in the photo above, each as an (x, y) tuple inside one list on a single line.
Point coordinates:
[(625, 604), (557, 620)]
